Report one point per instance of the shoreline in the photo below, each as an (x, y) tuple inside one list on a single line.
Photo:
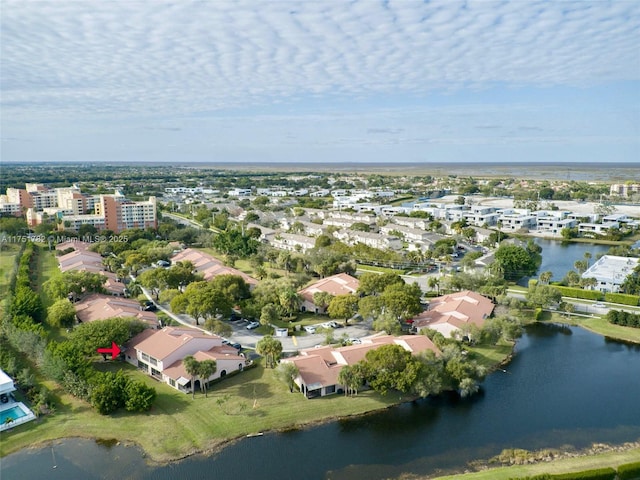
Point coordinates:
[(217, 445), (518, 458)]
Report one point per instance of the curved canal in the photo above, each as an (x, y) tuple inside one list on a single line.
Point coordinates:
[(565, 386)]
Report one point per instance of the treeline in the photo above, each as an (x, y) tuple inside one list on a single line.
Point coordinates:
[(23, 343), (624, 319)]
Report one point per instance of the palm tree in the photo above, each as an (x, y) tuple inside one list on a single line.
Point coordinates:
[(192, 366), (587, 257), (545, 277), (270, 349), (206, 368), (433, 282)]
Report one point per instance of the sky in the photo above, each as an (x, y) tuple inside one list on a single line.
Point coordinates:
[(320, 81)]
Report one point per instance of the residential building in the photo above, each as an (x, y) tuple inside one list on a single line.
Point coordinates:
[(408, 233), (340, 284), (292, 242), (516, 219), (210, 266), (449, 314), (554, 225), (610, 272), (479, 216), (101, 307), (596, 228), (122, 214), (319, 368), (374, 240), (625, 190), (160, 354)]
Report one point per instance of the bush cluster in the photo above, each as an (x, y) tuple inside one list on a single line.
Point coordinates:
[(624, 319)]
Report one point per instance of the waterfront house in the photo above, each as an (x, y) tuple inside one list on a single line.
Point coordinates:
[(319, 368), (610, 272), (160, 354), (449, 314)]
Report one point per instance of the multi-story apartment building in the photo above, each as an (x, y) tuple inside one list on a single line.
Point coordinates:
[(122, 214)]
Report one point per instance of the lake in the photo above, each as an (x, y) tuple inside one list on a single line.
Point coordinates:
[(558, 257), (565, 386)]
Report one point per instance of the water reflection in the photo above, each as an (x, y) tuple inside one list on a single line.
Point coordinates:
[(558, 391)]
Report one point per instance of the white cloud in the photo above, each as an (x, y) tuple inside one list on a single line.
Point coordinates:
[(184, 57)]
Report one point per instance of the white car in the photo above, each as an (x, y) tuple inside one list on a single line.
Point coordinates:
[(599, 305), (310, 329)]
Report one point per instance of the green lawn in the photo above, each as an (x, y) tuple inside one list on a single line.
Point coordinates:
[(601, 326), (374, 269), (8, 256), (47, 268), (565, 465), (178, 425), (491, 355)]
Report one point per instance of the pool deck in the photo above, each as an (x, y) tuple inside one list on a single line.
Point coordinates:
[(18, 421)]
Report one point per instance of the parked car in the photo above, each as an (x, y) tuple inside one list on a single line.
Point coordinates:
[(310, 329), (331, 324), (149, 306), (252, 325)]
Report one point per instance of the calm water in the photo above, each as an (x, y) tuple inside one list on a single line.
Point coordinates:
[(565, 386), (558, 257)]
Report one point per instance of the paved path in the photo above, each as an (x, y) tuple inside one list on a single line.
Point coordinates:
[(249, 338)]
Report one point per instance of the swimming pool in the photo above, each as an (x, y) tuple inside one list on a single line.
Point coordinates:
[(13, 412)]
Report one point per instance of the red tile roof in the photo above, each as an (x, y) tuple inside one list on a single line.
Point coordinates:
[(163, 342), (100, 307), (339, 284), (209, 266), (457, 309), (321, 366)]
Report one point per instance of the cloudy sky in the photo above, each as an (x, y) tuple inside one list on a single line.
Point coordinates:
[(320, 81)]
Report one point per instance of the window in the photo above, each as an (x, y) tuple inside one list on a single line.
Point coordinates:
[(172, 382), (330, 389), (144, 356)]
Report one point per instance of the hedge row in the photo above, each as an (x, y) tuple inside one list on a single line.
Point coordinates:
[(622, 298), (579, 293), (596, 474), (629, 471)]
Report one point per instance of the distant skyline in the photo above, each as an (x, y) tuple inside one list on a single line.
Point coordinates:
[(331, 81)]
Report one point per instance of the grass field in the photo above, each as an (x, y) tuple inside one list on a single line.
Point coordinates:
[(178, 425), (566, 465), (601, 326), (8, 256)]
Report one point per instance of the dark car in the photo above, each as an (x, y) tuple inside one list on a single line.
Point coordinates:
[(149, 306)]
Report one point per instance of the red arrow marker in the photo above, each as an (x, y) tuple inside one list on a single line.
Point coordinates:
[(114, 350)]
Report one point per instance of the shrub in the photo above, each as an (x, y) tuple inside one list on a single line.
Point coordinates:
[(622, 298), (629, 471), (579, 293)]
